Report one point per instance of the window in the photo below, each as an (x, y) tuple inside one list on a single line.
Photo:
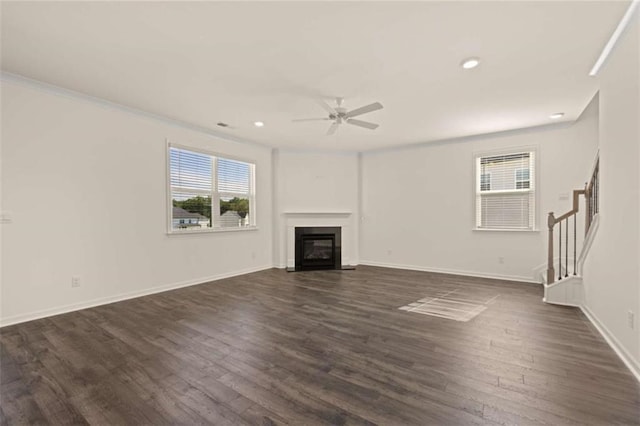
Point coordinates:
[(485, 181), (505, 191), (522, 179), (209, 192)]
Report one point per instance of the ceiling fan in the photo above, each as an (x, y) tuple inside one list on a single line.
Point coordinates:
[(340, 115)]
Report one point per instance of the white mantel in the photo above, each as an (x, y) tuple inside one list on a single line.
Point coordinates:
[(343, 219), (319, 214)]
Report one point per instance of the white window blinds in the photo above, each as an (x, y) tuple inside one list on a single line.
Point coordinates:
[(208, 191), (505, 191), (233, 176)]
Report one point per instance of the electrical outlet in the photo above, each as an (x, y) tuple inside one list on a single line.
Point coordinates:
[(75, 281), (501, 260), (631, 319)]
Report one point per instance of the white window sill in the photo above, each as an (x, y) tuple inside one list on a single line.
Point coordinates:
[(504, 230), (213, 230)]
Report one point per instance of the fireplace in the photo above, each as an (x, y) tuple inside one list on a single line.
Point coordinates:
[(318, 247)]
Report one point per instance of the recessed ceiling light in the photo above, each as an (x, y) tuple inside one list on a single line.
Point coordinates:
[(469, 63), (556, 115), (258, 123)]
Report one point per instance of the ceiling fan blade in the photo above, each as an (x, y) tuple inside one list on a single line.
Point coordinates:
[(365, 109), (332, 128), (310, 119), (326, 106), (361, 123)]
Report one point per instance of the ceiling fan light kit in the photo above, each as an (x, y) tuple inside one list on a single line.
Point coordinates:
[(339, 115)]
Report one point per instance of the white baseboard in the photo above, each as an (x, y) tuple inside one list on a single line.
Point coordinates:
[(625, 356), (571, 305), (16, 319), (451, 271)]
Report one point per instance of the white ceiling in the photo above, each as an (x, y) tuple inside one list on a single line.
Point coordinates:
[(238, 62)]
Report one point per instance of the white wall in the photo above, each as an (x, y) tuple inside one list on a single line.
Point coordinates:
[(316, 183), (86, 186), (611, 270), (418, 202), (3, 217)]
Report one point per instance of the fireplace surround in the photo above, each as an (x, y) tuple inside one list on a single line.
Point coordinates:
[(318, 247), (290, 220)]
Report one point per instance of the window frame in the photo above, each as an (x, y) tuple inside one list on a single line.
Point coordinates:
[(215, 195), (533, 186)]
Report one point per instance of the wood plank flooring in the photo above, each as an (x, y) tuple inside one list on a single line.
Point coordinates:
[(321, 347)]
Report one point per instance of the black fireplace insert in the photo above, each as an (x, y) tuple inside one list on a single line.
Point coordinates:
[(318, 247)]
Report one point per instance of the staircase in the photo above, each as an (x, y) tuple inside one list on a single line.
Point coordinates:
[(563, 277)]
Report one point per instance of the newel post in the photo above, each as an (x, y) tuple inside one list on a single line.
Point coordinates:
[(551, 273)]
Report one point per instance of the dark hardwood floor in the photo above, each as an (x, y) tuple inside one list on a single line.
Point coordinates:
[(325, 347)]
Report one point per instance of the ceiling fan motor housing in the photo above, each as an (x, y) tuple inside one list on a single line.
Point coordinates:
[(340, 115)]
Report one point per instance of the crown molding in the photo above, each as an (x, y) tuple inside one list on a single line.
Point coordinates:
[(68, 93)]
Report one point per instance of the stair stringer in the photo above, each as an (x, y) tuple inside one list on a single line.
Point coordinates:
[(568, 292)]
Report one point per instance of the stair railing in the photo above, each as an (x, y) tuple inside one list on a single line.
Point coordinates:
[(591, 194)]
